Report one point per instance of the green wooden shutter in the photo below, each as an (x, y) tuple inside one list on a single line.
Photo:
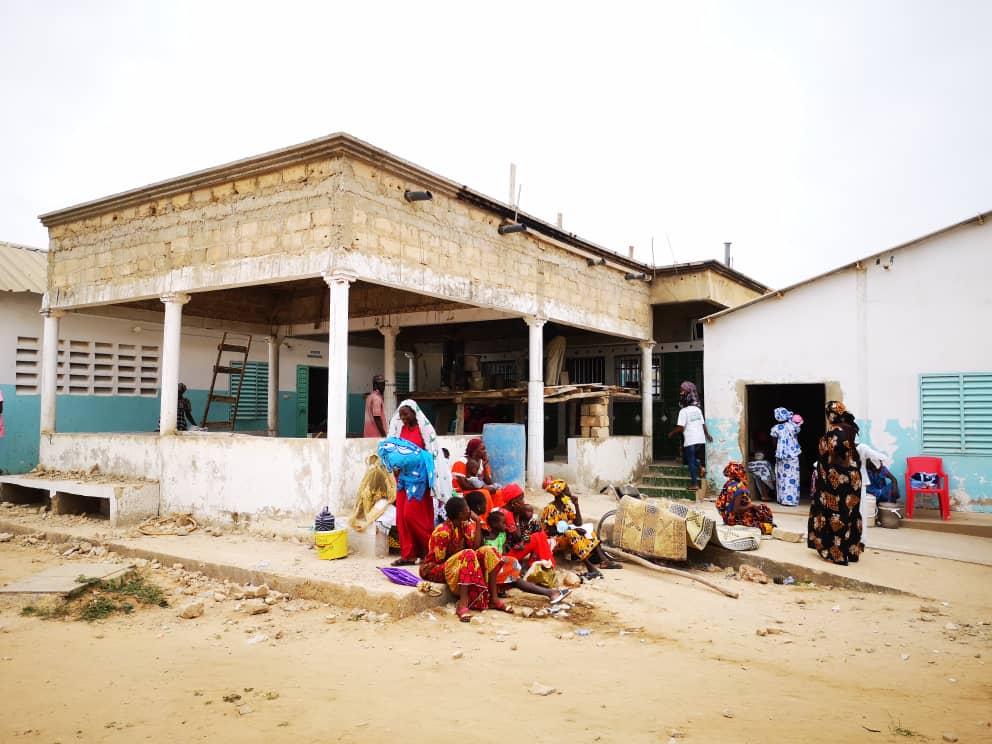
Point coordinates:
[(254, 400), (940, 413), (302, 399), (977, 425), (956, 413)]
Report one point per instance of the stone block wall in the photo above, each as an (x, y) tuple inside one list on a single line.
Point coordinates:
[(339, 212)]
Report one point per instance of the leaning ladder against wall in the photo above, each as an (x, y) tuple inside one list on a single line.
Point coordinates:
[(237, 344)]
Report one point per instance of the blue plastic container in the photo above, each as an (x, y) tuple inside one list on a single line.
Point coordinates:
[(507, 448)]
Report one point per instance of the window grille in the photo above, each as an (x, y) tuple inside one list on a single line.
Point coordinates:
[(586, 370)]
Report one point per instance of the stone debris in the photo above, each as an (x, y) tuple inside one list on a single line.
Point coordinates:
[(751, 573), (949, 736), (458, 655), (244, 710), (330, 619), (952, 626), (932, 609), (357, 614), (256, 592), (191, 610), (526, 612), (543, 690), (5, 536), (727, 714), (256, 607), (219, 597), (257, 638)]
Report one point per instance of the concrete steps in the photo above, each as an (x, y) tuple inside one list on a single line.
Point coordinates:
[(666, 480)]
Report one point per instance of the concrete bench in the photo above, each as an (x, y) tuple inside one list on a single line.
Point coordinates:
[(121, 502)]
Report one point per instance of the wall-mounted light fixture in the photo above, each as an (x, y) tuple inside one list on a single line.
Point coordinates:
[(412, 196), (631, 276), (596, 261), (513, 227)]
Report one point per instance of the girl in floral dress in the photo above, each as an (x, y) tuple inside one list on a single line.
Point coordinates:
[(560, 519), (787, 456), (734, 503), (457, 557)]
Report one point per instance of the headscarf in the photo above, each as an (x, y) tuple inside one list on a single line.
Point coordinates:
[(556, 487), (782, 414), (688, 395), (507, 494), (442, 469), (735, 471), (835, 412), (472, 444)]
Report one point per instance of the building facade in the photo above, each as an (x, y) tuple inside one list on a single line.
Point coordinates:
[(900, 337)]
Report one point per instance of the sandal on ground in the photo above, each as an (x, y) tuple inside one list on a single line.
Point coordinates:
[(594, 574), (500, 605), (464, 615), (562, 593), (610, 564), (402, 562)]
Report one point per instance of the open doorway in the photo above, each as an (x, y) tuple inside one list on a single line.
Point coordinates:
[(808, 400)]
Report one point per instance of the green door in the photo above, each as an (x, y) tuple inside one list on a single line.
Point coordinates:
[(302, 398), (676, 366)]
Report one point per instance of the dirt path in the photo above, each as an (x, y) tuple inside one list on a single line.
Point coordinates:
[(834, 665)]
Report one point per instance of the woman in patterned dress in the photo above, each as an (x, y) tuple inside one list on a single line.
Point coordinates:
[(457, 557), (734, 503), (787, 456), (834, 529), (561, 519)]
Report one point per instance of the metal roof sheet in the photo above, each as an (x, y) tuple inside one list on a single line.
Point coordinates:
[(23, 269)]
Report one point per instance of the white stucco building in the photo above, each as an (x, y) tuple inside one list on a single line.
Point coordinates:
[(901, 337)]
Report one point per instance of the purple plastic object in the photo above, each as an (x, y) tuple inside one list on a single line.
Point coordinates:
[(400, 576)]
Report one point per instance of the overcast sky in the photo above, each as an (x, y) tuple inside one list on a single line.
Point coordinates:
[(808, 133)]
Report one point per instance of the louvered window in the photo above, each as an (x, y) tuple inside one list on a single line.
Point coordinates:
[(956, 413), (254, 400)]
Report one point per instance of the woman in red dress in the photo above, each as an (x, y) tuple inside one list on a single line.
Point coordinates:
[(414, 517)]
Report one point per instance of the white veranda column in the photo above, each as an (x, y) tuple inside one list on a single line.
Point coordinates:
[(171, 342), (49, 368), (535, 403), (337, 380), (411, 360), (389, 334), (647, 388), (275, 342)]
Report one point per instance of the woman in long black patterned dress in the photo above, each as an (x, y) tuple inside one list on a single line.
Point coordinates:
[(834, 529)]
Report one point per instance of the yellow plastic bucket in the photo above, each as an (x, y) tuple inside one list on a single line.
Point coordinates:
[(331, 545)]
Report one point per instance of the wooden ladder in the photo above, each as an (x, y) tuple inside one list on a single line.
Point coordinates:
[(232, 343)]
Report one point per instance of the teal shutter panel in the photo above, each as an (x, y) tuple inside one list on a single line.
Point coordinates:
[(302, 399), (956, 413), (254, 400), (977, 425)]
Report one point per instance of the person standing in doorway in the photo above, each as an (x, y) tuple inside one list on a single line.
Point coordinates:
[(692, 427), (787, 454), (375, 407), (184, 410)]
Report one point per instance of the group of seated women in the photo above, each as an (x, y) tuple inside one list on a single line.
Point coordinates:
[(489, 537)]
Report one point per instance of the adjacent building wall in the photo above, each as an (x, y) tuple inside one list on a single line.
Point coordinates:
[(868, 332)]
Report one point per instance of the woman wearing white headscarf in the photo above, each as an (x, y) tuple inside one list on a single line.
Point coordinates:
[(787, 456), (415, 516)]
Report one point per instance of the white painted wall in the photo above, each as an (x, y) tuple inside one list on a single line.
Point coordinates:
[(924, 308), (594, 463), (223, 476)]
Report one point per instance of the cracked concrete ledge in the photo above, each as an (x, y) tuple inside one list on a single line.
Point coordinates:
[(338, 593), (775, 568)]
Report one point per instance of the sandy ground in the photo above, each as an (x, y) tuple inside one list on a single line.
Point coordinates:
[(834, 666)]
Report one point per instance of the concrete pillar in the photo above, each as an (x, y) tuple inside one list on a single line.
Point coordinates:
[(647, 388), (535, 403), (171, 343), (50, 368), (411, 360), (389, 334), (275, 344), (337, 380)]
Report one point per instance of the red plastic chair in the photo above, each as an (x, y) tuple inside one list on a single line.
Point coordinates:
[(942, 492)]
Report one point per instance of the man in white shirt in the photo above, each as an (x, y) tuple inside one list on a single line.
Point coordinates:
[(692, 427)]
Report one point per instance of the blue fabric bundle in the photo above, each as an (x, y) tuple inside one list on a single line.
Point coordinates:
[(416, 466)]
